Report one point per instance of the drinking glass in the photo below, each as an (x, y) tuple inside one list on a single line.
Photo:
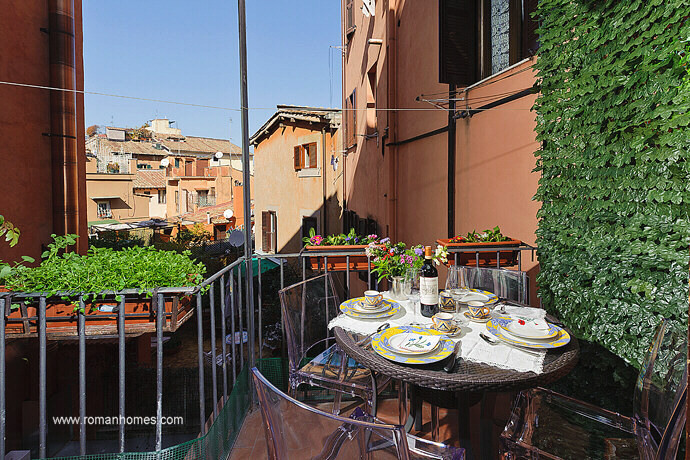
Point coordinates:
[(412, 290), (456, 283)]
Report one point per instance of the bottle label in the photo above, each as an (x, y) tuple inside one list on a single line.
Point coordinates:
[(428, 290)]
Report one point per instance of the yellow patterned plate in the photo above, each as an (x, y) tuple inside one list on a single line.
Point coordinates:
[(349, 308), (381, 344), (496, 327)]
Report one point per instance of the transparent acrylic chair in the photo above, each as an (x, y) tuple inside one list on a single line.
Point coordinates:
[(295, 430), (314, 357), (545, 424), (506, 284)]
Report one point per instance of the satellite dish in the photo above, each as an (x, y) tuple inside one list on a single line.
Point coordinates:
[(219, 155), (165, 162), (228, 213)]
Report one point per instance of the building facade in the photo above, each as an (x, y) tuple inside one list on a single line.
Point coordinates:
[(167, 175), (438, 133), (298, 175)]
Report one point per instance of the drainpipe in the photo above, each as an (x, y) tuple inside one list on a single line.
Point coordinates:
[(63, 117), (391, 53), (324, 218), (451, 161), (343, 116)]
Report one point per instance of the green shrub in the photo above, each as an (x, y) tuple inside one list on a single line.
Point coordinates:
[(102, 269), (612, 118)]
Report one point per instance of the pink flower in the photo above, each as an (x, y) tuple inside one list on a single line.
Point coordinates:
[(316, 240)]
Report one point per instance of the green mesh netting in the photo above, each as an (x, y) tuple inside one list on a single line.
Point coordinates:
[(221, 436)]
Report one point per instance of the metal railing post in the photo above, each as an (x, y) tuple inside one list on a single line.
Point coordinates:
[(42, 377), (200, 357), (82, 376), (121, 370), (214, 376), (160, 321), (261, 342), (239, 313), (4, 301), (233, 331), (223, 341)]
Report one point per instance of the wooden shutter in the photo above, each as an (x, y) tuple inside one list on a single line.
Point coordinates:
[(530, 39), (265, 231), (298, 162), (458, 42), (312, 155)]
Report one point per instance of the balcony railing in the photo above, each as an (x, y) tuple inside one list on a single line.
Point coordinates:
[(204, 201), (221, 298)]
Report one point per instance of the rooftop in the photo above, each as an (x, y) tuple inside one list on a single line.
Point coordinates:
[(294, 113), (149, 178)]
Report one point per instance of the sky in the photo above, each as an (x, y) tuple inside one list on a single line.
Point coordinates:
[(188, 52)]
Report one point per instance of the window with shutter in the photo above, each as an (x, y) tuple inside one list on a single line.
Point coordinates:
[(297, 158), (530, 39), (508, 34), (351, 119), (265, 231), (311, 149), (458, 42)]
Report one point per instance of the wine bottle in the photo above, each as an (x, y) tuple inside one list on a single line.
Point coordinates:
[(428, 285)]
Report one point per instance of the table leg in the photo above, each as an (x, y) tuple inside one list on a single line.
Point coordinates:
[(403, 406), (463, 406)]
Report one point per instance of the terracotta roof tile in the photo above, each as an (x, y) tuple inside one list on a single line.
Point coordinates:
[(149, 178)]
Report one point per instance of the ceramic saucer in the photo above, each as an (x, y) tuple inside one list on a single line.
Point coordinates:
[(477, 320)]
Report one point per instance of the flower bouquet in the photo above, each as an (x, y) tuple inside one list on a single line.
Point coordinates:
[(392, 261)]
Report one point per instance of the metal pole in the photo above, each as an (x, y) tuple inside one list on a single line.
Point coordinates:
[(241, 18), (121, 369), (3, 416), (200, 357), (82, 376), (42, 377)]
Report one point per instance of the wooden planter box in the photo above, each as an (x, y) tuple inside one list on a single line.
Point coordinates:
[(357, 261), (61, 318), (487, 258)]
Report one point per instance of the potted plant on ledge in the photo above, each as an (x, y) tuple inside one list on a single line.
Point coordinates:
[(482, 240), (64, 277), (350, 244)]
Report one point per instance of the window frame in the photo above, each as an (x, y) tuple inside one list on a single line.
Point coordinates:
[(301, 153), (162, 197), (103, 214)]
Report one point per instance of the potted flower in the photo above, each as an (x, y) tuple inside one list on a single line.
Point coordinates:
[(392, 261), (482, 240), (101, 269), (350, 244)]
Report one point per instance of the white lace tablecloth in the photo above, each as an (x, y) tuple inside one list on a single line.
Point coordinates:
[(472, 348)]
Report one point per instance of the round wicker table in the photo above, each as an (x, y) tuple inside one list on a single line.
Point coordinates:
[(460, 389), (467, 376)]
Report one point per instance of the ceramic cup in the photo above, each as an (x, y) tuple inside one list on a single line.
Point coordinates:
[(447, 303), (443, 322), (372, 299), (477, 309)]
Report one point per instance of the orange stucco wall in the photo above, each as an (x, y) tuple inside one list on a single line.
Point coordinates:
[(292, 194), (405, 187), (26, 187)]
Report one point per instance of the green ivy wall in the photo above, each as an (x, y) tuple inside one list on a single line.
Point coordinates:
[(615, 188)]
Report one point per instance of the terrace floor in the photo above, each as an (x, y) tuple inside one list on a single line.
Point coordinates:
[(251, 442)]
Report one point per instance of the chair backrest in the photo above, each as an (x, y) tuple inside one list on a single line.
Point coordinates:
[(296, 430), (307, 307), (508, 284), (660, 392)]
